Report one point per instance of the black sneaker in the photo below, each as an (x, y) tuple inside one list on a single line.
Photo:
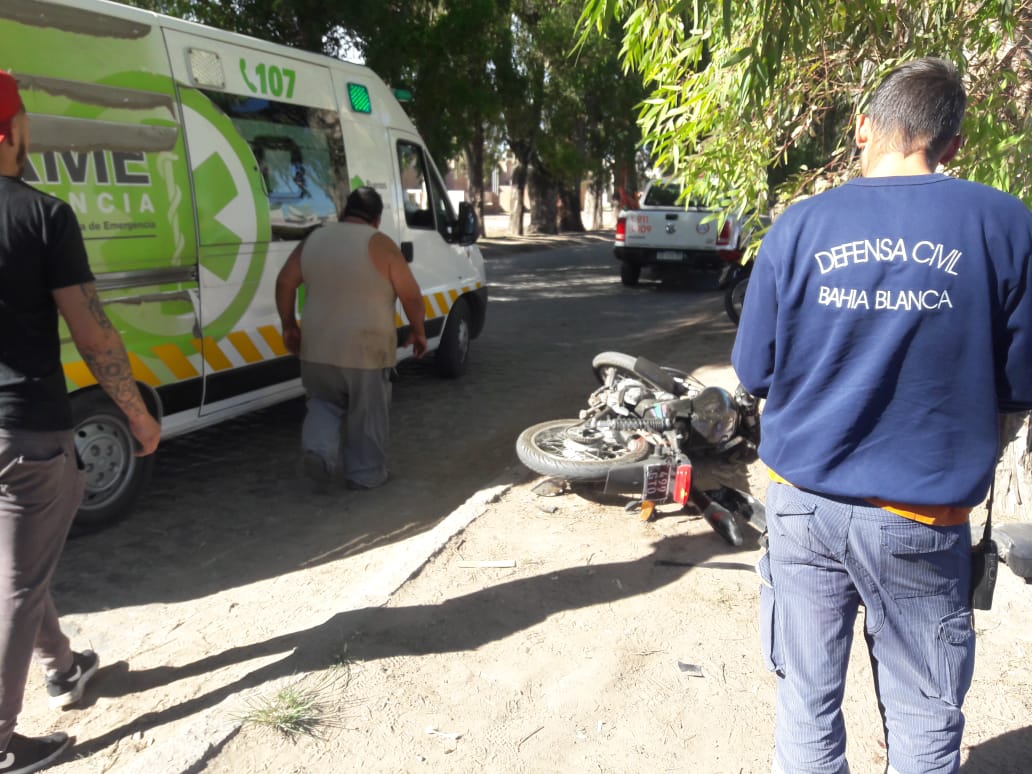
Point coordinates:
[(66, 688), (26, 754)]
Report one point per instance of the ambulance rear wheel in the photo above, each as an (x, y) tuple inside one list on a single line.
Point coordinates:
[(453, 351), (115, 477)]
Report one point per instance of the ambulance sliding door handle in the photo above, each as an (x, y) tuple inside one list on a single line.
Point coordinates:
[(406, 250)]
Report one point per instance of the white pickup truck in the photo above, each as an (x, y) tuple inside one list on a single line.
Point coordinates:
[(666, 238)]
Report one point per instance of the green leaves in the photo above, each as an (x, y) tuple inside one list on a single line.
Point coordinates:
[(763, 93)]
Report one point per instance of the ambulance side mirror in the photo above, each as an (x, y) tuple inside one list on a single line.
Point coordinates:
[(466, 231)]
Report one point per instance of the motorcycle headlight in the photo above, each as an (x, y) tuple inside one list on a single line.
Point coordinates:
[(714, 415)]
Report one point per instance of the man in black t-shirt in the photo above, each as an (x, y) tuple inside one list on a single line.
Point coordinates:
[(43, 271)]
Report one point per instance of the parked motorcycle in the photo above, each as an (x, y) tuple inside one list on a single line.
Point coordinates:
[(734, 284), (639, 432)]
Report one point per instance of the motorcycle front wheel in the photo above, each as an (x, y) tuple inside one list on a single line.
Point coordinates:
[(569, 449)]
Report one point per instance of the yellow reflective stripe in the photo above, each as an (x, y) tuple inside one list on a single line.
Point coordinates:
[(442, 302), (173, 357), (212, 354), (428, 308), (274, 339), (398, 322), (248, 351), (79, 374), (142, 372), (453, 295)]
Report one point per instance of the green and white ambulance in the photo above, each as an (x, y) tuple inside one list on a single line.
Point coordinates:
[(195, 159)]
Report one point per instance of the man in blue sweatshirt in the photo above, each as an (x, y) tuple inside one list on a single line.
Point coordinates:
[(887, 323)]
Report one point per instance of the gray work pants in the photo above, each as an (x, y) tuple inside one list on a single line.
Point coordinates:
[(41, 487), (347, 422)]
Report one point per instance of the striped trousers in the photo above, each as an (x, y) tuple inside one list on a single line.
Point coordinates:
[(825, 559)]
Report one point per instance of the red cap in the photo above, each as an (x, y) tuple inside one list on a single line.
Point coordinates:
[(10, 101)]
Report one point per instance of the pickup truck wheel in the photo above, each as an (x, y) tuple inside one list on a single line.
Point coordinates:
[(630, 273), (453, 351), (115, 477)]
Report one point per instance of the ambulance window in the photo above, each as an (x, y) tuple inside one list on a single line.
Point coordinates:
[(416, 193), (299, 153), (423, 190)]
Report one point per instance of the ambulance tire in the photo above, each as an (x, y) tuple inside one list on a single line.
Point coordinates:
[(453, 351), (115, 477)]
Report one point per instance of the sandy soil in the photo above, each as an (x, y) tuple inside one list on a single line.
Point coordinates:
[(609, 645)]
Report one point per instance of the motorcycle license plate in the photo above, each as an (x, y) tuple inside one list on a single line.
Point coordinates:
[(659, 482)]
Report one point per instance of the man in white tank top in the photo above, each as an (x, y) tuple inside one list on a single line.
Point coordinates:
[(352, 274)]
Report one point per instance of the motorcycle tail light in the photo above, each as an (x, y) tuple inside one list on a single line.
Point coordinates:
[(682, 484)]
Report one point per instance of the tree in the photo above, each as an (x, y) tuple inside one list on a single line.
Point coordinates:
[(567, 114), (740, 91), (299, 23), (758, 97)]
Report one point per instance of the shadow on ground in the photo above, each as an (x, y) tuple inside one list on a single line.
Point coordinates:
[(462, 623)]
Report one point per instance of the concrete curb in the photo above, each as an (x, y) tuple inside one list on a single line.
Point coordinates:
[(187, 751)]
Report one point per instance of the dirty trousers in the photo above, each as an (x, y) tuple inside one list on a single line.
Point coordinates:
[(348, 419), (826, 558), (41, 487)]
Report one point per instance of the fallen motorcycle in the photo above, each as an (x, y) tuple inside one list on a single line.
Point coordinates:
[(639, 432)]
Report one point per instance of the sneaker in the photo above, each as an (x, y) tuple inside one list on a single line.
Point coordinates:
[(66, 688), (25, 754)]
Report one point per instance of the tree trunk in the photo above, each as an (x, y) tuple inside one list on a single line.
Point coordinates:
[(569, 215), (475, 165), (597, 193), (518, 196), (1013, 495), (544, 199)]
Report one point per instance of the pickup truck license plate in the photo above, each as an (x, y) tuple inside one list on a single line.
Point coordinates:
[(669, 255)]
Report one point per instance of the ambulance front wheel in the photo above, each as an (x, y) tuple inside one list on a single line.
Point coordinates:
[(115, 476), (453, 351)]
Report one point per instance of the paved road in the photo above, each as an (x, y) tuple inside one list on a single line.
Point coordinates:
[(230, 548), (232, 489)]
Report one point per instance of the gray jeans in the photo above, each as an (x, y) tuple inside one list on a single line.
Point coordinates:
[(347, 423), (41, 487)]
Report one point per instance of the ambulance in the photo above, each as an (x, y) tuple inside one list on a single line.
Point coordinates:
[(195, 160)]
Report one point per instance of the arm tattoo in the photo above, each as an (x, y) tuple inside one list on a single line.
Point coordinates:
[(109, 362), (95, 307), (110, 367)]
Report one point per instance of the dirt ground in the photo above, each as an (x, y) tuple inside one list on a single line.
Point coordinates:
[(610, 645), (550, 634)]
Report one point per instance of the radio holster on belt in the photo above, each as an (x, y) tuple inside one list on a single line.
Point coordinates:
[(985, 560)]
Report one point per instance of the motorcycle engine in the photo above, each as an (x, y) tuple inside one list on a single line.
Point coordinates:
[(626, 395), (714, 415)]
